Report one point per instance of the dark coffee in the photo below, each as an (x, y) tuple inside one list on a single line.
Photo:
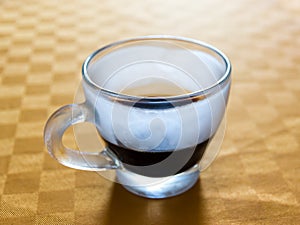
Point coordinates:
[(159, 164)]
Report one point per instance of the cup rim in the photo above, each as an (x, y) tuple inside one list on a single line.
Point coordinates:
[(196, 94)]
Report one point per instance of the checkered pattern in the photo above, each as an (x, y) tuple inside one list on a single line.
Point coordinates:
[(256, 177)]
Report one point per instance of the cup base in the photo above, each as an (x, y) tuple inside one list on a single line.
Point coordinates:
[(158, 188)]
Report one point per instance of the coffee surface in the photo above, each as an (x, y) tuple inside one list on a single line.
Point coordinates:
[(155, 88)]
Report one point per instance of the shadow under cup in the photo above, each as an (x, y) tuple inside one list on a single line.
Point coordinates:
[(157, 102)]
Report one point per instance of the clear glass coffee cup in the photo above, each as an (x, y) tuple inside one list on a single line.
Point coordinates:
[(157, 102)]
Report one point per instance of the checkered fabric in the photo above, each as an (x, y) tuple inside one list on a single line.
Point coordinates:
[(255, 178)]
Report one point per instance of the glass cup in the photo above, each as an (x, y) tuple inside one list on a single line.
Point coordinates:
[(157, 102)]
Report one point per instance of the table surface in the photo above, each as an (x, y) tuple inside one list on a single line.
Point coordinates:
[(256, 176)]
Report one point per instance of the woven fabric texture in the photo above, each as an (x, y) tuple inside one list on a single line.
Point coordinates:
[(256, 176)]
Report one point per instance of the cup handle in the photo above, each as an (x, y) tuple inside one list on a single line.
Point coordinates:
[(55, 127)]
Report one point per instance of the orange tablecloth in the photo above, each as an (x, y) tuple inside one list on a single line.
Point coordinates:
[(254, 180)]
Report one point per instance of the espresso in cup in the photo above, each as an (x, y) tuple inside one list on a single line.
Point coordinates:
[(157, 102)]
